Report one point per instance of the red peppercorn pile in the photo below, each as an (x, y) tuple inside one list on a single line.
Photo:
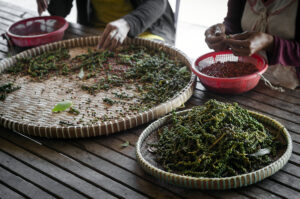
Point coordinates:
[(229, 69)]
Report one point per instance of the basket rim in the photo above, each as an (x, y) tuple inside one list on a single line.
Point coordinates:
[(271, 168)]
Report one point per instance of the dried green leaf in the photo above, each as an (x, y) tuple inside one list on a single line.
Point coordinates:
[(81, 73), (261, 152), (62, 106), (125, 144)]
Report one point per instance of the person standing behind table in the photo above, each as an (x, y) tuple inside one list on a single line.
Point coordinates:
[(149, 19), (271, 27)]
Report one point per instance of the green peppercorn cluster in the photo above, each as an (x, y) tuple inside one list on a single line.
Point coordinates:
[(215, 140)]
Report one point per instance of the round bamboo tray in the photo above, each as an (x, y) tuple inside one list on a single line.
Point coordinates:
[(28, 110), (148, 163)]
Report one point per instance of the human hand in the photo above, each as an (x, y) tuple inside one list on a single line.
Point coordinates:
[(42, 6), (114, 34), (215, 37), (248, 43)]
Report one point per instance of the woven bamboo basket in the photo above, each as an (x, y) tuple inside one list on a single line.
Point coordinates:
[(148, 163), (28, 110)]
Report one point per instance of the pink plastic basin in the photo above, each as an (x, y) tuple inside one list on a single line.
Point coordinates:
[(37, 31), (234, 85)]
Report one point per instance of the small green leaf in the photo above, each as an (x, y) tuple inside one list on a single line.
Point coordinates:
[(125, 144), (62, 106), (81, 73)]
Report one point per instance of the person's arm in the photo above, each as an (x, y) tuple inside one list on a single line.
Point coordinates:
[(144, 16), (42, 5), (60, 7), (132, 24), (285, 52), (232, 21)]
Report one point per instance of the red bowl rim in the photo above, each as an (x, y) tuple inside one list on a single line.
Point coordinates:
[(246, 77), (62, 29)]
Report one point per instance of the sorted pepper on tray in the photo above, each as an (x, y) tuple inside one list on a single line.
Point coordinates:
[(215, 140), (156, 77), (42, 66)]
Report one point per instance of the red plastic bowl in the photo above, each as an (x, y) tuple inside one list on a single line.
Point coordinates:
[(37, 31), (234, 85)]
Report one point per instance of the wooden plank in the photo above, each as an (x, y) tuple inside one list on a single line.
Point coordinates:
[(292, 169), (81, 32), (296, 148), (3, 27), (84, 29), (18, 8), (115, 144), (280, 104), (228, 195), (279, 189), (9, 17), (70, 180), (22, 185), (295, 137), (295, 159), (129, 136), (131, 165), (3, 48), (266, 91), (293, 93), (256, 192), (12, 11), (3, 42), (5, 22), (37, 178), (74, 167), (288, 180), (28, 15), (7, 193), (113, 171)]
